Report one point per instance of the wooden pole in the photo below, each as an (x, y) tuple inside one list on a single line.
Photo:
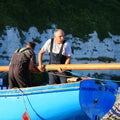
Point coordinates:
[(108, 66), (104, 66), (4, 68)]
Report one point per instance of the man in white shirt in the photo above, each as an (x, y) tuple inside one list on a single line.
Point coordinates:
[(60, 53)]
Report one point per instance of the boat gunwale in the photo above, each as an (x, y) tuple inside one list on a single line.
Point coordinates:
[(40, 90)]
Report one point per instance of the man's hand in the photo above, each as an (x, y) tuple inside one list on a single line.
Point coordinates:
[(41, 68), (60, 70)]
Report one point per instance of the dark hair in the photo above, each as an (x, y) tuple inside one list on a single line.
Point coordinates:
[(32, 44)]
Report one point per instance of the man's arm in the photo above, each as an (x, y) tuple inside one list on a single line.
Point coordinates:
[(33, 67), (40, 56), (68, 53), (68, 60)]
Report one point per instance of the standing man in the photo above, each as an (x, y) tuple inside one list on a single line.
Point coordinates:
[(22, 62), (60, 53)]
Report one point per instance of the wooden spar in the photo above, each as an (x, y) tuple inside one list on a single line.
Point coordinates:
[(4, 68), (107, 66), (95, 66)]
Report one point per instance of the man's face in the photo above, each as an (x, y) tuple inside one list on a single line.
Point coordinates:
[(59, 37)]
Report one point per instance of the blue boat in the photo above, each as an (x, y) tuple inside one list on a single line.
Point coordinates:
[(83, 100), (88, 99)]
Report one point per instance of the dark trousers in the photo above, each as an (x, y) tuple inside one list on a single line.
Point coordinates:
[(18, 77), (57, 78)]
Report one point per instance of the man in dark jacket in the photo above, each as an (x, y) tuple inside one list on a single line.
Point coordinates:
[(22, 63)]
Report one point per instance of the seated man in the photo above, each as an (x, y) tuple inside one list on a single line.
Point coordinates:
[(22, 62)]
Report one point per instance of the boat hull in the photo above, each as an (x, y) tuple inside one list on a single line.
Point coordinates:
[(62, 102), (97, 97)]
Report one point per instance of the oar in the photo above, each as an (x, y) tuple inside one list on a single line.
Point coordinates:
[(4, 68), (107, 66), (95, 66)]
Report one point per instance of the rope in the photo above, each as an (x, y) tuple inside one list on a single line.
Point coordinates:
[(59, 74), (75, 74), (23, 99), (41, 118)]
